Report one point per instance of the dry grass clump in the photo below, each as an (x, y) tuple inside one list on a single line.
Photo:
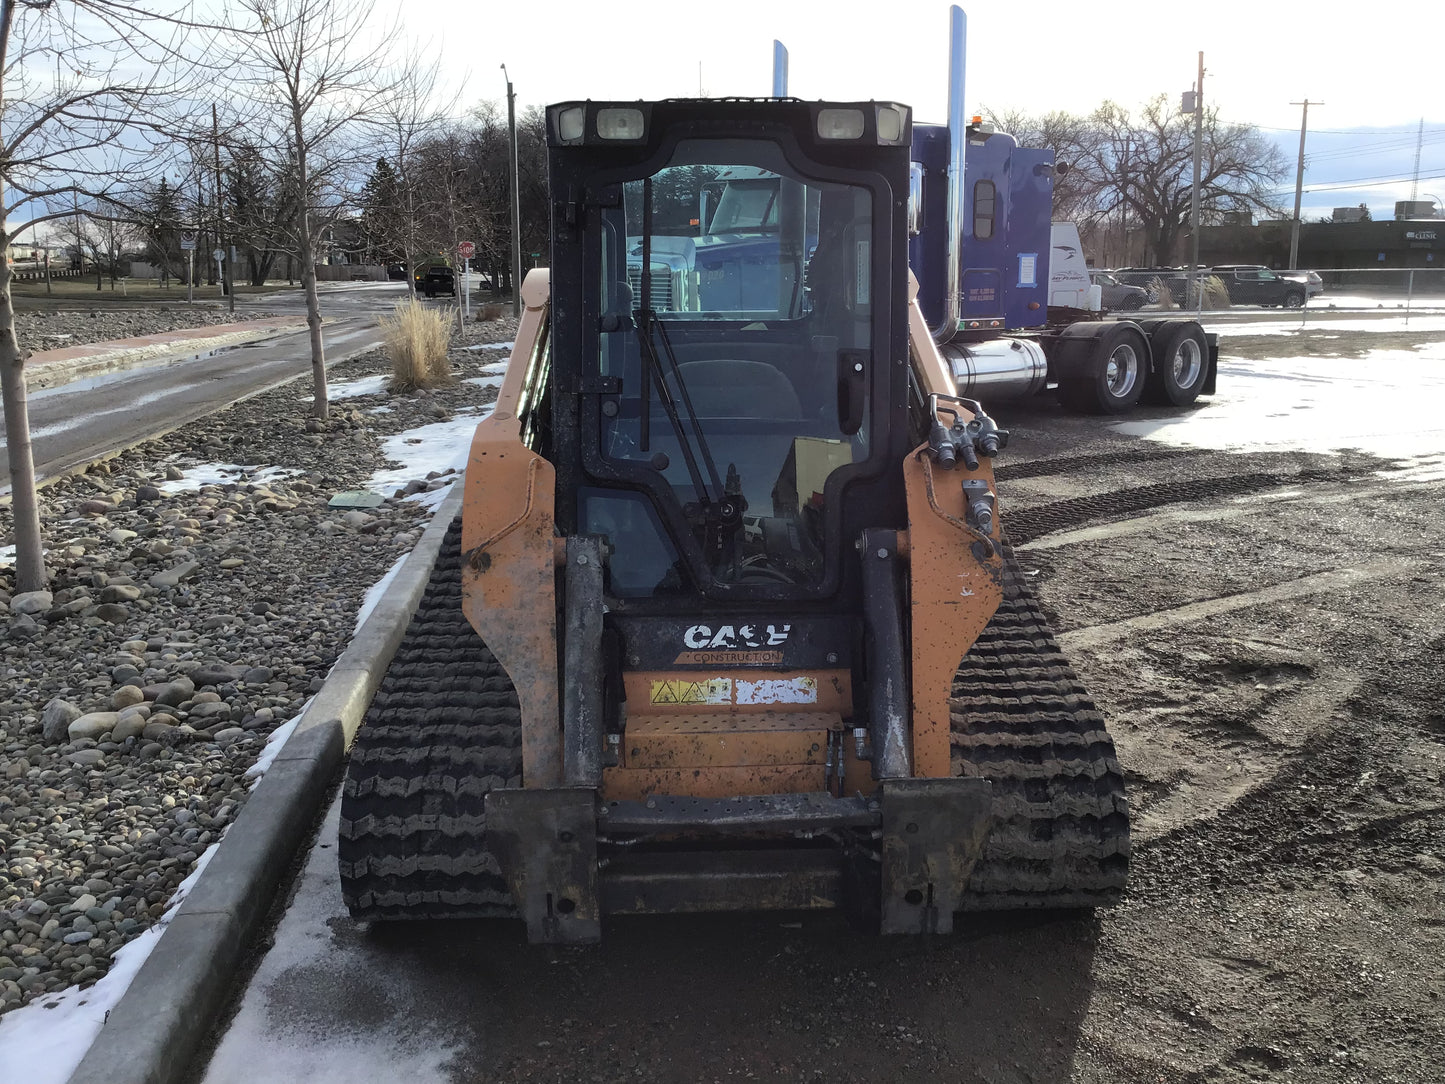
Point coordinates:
[(1216, 293), (416, 341)]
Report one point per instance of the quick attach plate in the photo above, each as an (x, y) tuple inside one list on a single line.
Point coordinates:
[(546, 843), (934, 831)]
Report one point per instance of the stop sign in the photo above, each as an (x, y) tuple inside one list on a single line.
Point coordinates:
[(466, 250)]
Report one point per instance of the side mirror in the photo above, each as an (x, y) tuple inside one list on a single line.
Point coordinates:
[(915, 199)]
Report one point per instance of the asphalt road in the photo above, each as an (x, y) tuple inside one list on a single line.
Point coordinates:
[(87, 419), (788, 996)]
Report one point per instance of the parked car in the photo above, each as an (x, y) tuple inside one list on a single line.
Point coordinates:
[(1116, 294), (1315, 284), (395, 272), (1255, 284)]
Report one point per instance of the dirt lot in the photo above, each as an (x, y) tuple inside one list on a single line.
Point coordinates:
[(1263, 630)]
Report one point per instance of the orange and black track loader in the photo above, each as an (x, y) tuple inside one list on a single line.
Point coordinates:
[(728, 620)]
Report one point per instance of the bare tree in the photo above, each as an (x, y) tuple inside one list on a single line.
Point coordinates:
[(79, 80), (404, 120), (1147, 163), (316, 68)]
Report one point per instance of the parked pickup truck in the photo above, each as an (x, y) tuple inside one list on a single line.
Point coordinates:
[(436, 277)]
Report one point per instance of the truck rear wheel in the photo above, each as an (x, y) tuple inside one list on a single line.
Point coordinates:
[(1181, 364), (1113, 380)]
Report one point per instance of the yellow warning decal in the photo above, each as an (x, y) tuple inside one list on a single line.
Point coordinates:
[(707, 691)]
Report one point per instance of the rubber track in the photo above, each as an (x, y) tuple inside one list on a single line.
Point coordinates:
[(445, 728), (1021, 718), (1027, 524)]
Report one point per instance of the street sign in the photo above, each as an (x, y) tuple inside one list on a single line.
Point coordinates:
[(188, 242), (218, 255), (466, 250)]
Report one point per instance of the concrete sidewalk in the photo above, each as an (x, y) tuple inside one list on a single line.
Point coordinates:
[(52, 368)]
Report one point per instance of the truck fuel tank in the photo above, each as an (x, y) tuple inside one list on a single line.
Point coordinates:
[(997, 368)]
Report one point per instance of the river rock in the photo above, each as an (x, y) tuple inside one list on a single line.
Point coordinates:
[(126, 696), (174, 576), (210, 713), (55, 720), (23, 627), (32, 602), (215, 674), (119, 592), (159, 729), (176, 692), (92, 725), (87, 758), (129, 726), (112, 613)]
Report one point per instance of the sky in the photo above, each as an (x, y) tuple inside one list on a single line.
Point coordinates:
[(1375, 80)]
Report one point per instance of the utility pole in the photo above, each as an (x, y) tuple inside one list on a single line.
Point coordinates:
[(1299, 183), (516, 200), (228, 273), (1194, 274), (1124, 207)]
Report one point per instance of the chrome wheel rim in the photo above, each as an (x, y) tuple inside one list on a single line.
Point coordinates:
[(1188, 360), (1122, 370)]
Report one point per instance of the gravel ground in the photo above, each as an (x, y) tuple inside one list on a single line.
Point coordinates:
[(45, 330), (183, 626)]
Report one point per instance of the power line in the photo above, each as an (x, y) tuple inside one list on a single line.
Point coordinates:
[(1338, 186), (1329, 131)]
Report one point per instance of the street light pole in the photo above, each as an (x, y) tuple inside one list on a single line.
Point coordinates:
[(516, 200), (1299, 181)]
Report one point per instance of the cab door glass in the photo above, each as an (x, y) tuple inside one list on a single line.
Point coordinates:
[(737, 324)]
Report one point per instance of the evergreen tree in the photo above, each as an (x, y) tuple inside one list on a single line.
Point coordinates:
[(161, 231), (381, 218)]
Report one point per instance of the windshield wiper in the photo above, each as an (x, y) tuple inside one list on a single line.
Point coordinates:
[(646, 319)]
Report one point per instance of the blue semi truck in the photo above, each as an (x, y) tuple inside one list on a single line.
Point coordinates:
[(1003, 304)]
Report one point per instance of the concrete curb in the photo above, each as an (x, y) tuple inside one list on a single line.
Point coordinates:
[(156, 1029)]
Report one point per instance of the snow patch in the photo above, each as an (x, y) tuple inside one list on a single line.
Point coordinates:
[(485, 381), (367, 385), (1316, 404), (274, 742), (377, 590), (212, 474), (7, 556), (439, 447), (491, 346)]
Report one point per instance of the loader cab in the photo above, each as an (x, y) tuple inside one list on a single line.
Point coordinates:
[(729, 341)]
